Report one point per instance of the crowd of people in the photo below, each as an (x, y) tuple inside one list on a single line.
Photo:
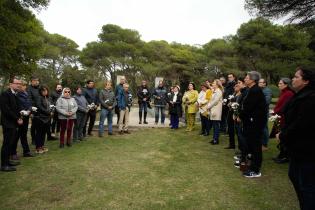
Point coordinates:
[(237, 107)]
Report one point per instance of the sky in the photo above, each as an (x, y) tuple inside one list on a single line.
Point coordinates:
[(193, 22)]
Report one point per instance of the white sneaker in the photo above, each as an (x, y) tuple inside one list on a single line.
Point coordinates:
[(251, 174)]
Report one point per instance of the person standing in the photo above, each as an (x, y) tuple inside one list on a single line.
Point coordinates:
[(10, 119), (67, 108), (80, 114), (215, 110), (144, 95), (33, 93), (91, 95), (175, 107), (227, 92), (268, 96), (55, 125), (108, 102), (124, 103), (26, 107), (42, 119), (298, 136), (160, 101), (286, 94), (203, 99), (253, 115), (189, 100), (119, 88)]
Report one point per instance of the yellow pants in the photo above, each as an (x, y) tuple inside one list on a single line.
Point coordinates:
[(191, 118)]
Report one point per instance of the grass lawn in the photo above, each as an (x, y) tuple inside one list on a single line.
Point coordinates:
[(148, 169)]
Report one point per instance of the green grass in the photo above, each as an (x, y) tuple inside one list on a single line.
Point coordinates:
[(148, 169)]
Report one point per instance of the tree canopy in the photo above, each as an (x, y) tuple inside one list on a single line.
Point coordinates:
[(300, 11)]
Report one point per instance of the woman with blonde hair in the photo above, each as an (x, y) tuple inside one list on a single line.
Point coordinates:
[(189, 101), (215, 109)]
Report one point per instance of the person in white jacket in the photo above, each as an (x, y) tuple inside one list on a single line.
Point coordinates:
[(67, 108), (215, 110)]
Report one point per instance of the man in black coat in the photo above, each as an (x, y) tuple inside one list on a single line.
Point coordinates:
[(55, 125), (298, 136), (227, 112), (33, 94), (10, 119), (253, 114), (91, 95)]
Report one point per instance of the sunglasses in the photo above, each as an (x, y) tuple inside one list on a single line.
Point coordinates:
[(67, 91)]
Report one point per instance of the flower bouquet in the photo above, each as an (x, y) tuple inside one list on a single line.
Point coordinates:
[(276, 125)]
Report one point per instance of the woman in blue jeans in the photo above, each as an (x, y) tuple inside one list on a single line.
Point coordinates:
[(108, 102)]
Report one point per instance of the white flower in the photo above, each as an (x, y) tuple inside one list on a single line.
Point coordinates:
[(24, 113), (231, 97), (224, 100), (274, 118), (271, 112), (34, 109), (235, 105)]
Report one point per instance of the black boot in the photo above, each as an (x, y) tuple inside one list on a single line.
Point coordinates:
[(140, 118), (145, 118)]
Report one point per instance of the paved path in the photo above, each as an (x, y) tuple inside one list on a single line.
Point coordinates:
[(134, 120)]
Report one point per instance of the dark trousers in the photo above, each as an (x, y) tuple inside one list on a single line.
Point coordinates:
[(143, 107), (302, 176), (205, 125), (66, 125), (242, 146), (283, 152), (41, 129), (21, 134), (91, 116), (55, 125), (33, 132), (216, 130), (174, 121), (254, 142), (79, 125), (8, 139), (223, 123), (231, 129)]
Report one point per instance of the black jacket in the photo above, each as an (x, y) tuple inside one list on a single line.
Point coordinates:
[(228, 89), (253, 110), (10, 109), (143, 93), (43, 109), (175, 108), (298, 131), (54, 97), (33, 93)]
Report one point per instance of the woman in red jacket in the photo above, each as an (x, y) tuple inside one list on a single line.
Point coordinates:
[(286, 94)]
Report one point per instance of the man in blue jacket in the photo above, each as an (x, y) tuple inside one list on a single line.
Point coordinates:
[(124, 100)]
